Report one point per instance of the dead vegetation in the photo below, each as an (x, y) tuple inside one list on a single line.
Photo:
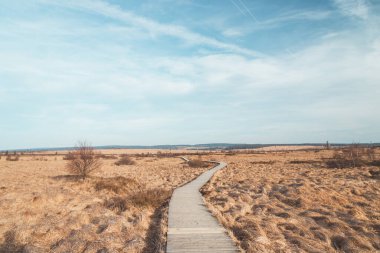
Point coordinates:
[(352, 156), (117, 204), (10, 244), (118, 185), (196, 163), (13, 158), (125, 160), (298, 207), (150, 197), (143, 198), (116, 209), (84, 161), (106, 157)]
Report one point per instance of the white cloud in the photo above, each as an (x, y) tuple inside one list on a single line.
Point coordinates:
[(233, 32), (354, 8), (271, 23), (335, 80), (337, 71), (153, 27)]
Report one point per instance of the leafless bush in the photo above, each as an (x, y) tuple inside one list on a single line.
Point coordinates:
[(84, 160), (117, 204), (117, 185), (375, 174), (40, 158), (350, 157), (106, 157), (166, 154), (10, 243), (69, 156), (13, 158), (370, 152), (125, 160), (197, 164), (263, 162), (142, 198), (149, 198), (304, 162)]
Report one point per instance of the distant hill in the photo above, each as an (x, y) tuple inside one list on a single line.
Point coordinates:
[(208, 146)]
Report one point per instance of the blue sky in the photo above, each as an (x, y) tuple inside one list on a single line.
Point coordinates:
[(181, 71)]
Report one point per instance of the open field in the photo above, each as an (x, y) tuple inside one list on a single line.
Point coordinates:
[(118, 209), (290, 202), (270, 201)]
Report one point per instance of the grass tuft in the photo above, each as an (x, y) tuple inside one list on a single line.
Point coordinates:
[(198, 164), (117, 185), (125, 160)]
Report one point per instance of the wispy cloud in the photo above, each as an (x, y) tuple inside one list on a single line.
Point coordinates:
[(281, 20), (115, 77), (152, 26), (354, 8), (243, 9)]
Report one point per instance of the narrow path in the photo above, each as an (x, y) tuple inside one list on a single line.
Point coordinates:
[(191, 227)]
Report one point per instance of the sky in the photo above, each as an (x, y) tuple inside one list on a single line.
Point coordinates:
[(132, 72)]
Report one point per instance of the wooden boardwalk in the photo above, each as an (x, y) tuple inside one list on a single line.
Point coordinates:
[(191, 227)]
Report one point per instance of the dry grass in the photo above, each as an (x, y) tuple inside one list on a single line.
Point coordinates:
[(104, 156), (125, 160), (197, 163), (45, 210), (13, 158), (352, 156), (285, 206), (149, 198), (276, 202), (118, 185)]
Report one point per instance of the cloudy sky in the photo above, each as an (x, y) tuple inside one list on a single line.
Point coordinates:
[(182, 71)]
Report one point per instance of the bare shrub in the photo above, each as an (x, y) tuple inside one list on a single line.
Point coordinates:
[(117, 185), (84, 161), (374, 163), (106, 157), (375, 174), (117, 204), (304, 162), (150, 198), (350, 157), (197, 164), (370, 152), (10, 243), (263, 162), (125, 160), (13, 158), (142, 198), (69, 156), (165, 154)]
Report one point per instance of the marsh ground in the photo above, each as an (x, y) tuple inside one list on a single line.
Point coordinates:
[(269, 201), (116, 210), (290, 202)]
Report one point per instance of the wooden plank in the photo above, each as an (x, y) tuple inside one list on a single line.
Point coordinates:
[(191, 227)]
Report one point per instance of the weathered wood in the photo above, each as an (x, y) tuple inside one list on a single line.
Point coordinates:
[(191, 227)]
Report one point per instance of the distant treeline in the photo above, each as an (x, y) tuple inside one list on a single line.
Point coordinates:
[(208, 146), (253, 146)]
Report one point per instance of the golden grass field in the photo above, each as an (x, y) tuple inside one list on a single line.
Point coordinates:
[(271, 204), (44, 210), (282, 201)]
